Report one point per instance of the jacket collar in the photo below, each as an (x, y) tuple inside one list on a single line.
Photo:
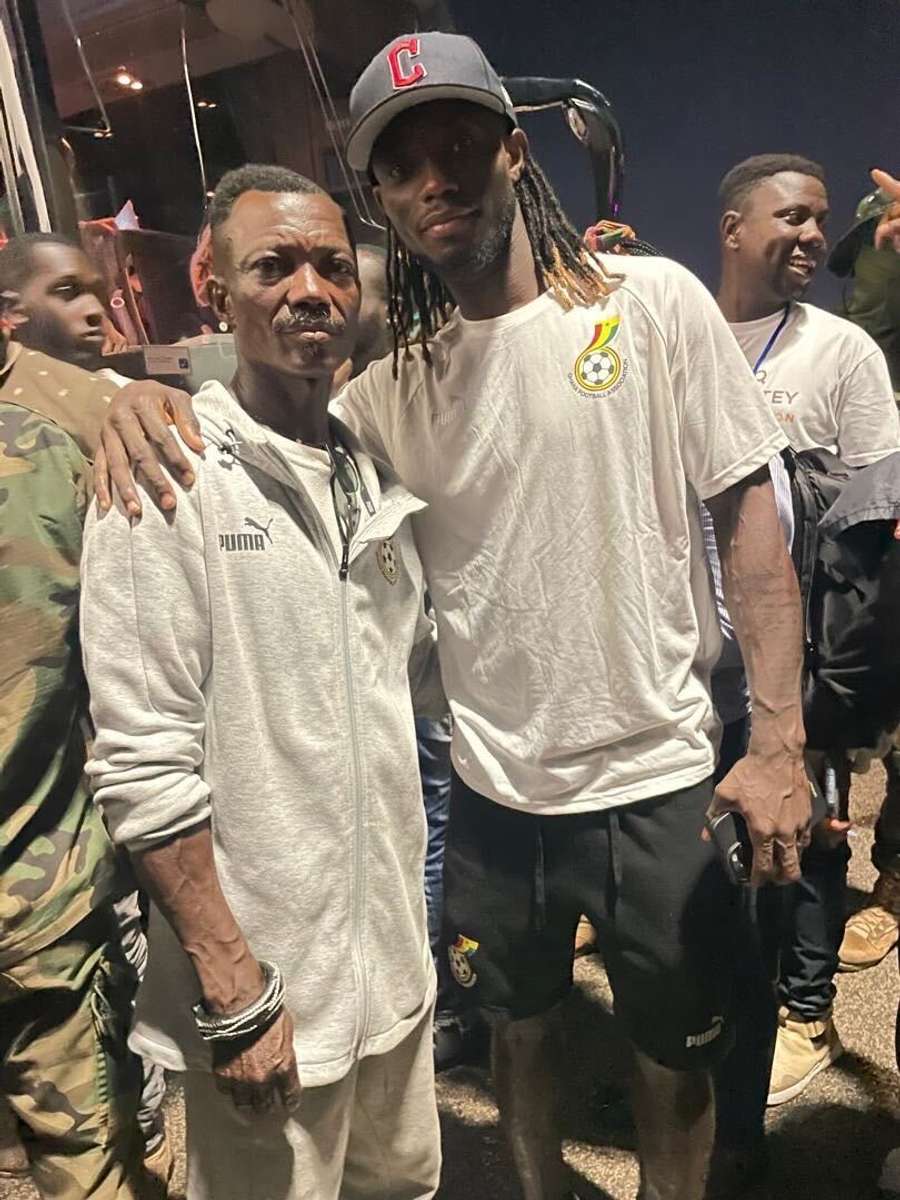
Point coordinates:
[(235, 433)]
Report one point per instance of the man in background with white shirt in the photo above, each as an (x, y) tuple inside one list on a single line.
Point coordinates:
[(828, 384), (826, 379)]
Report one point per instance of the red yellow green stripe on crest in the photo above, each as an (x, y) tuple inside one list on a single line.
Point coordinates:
[(598, 367)]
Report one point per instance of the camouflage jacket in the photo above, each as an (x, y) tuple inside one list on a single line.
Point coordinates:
[(56, 862)]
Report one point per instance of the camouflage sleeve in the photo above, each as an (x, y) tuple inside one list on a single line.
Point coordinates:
[(43, 500), (54, 853)]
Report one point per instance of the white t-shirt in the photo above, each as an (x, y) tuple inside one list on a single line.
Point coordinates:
[(312, 465), (827, 382), (561, 456)]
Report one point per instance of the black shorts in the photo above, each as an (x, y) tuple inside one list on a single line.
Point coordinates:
[(666, 915)]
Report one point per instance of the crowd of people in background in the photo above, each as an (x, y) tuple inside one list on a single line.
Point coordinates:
[(511, 599)]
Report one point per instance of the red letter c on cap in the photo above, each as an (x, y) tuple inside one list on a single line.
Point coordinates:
[(404, 73)]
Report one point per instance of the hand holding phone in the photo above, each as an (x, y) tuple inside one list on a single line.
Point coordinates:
[(729, 832)]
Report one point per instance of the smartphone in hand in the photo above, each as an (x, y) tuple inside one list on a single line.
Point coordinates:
[(730, 834)]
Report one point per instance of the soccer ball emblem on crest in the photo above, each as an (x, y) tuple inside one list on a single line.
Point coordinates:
[(387, 560), (599, 367), (460, 954)]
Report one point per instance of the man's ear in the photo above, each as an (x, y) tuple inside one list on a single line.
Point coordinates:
[(730, 229), (516, 142), (219, 300), (12, 318)]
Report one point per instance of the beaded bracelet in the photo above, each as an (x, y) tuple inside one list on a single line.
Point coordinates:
[(222, 1027)]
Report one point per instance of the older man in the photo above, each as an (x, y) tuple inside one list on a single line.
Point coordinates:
[(250, 664)]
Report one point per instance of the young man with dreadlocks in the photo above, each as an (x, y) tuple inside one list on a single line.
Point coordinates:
[(562, 423)]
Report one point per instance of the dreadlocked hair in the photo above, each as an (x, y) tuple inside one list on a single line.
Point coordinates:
[(566, 266), (419, 304)]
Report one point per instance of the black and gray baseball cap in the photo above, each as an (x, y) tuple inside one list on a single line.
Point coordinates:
[(869, 212), (414, 69)]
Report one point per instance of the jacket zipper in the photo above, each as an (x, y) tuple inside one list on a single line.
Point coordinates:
[(359, 856), (359, 836), (359, 970)]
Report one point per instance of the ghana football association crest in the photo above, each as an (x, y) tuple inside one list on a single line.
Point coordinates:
[(460, 954), (599, 367), (386, 555)]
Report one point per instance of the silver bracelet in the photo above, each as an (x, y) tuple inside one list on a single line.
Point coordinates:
[(222, 1027)]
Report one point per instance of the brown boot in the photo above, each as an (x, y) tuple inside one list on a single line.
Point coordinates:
[(872, 933), (802, 1050)]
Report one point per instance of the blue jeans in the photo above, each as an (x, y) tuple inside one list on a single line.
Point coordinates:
[(433, 741)]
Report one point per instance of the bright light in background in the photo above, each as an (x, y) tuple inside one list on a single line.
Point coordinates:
[(207, 104), (125, 79)]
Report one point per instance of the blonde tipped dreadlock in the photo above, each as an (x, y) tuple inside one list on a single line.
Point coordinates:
[(419, 304)]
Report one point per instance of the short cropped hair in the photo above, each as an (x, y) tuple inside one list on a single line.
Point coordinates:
[(261, 177), (741, 180), (256, 177), (17, 257)]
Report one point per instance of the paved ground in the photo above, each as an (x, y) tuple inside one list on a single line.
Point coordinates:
[(827, 1145)]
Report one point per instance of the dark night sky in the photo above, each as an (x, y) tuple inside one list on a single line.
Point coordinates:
[(698, 85)]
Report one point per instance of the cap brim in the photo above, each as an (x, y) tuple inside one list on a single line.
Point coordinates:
[(366, 132), (845, 250)]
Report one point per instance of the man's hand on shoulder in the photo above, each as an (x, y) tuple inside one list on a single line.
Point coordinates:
[(137, 437)]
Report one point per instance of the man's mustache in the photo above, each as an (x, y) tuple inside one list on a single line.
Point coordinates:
[(308, 323)]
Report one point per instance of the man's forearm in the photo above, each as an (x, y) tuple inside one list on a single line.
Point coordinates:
[(763, 598), (180, 875)]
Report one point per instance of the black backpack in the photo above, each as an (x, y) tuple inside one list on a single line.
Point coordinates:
[(848, 565)]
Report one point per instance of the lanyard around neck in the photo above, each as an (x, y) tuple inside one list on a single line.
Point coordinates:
[(773, 338)]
